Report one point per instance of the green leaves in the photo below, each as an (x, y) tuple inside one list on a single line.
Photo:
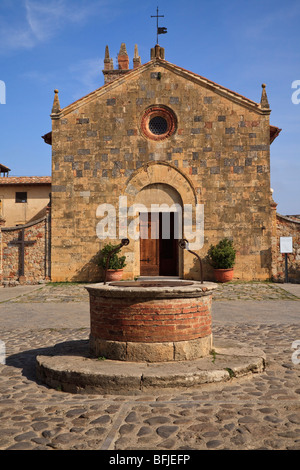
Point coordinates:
[(115, 262), (222, 255)]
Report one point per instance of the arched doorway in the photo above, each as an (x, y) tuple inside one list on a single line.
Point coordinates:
[(160, 229), (160, 181)]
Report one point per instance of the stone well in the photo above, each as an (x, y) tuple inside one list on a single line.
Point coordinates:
[(154, 322), (147, 337)]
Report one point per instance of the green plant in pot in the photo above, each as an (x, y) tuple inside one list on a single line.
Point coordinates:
[(222, 258), (116, 262)]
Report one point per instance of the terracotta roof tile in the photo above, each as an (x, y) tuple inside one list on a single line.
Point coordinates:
[(274, 132), (4, 168), (6, 180)]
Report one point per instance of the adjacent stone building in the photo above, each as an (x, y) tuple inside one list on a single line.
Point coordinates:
[(24, 198), (25, 243), (159, 134), (287, 226), (25, 252)]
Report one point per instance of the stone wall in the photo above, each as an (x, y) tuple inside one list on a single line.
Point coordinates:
[(288, 226), (218, 156), (36, 253)]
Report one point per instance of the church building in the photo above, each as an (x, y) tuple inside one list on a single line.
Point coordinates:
[(159, 142)]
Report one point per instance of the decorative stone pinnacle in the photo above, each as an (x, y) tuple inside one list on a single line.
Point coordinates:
[(157, 52), (264, 99), (123, 50), (56, 105), (108, 62), (136, 52), (136, 58)]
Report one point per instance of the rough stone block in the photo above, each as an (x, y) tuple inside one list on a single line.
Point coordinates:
[(230, 130)]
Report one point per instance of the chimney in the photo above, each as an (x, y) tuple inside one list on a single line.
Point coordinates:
[(110, 73), (123, 59)]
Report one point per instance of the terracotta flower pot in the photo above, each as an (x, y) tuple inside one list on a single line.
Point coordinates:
[(223, 275), (114, 275)]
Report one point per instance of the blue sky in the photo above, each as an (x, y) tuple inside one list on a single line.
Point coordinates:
[(61, 43)]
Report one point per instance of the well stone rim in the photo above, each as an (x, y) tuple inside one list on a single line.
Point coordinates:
[(195, 289)]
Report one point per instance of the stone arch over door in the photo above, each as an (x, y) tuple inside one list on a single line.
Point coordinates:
[(167, 185), (161, 172)]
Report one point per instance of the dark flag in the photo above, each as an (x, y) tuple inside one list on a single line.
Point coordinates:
[(162, 30)]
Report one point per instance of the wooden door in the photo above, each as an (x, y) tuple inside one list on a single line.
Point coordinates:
[(149, 244)]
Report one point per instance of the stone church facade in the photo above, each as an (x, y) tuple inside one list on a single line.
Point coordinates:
[(159, 134)]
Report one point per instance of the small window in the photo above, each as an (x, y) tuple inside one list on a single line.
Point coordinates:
[(158, 125), (21, 197)]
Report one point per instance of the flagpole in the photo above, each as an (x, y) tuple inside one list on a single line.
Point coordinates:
[(157, 29)]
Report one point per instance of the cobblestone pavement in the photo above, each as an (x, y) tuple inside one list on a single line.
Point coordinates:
[(61, 292), (257, 412)]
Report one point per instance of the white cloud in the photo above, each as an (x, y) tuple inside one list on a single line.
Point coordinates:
[(266, 26), (17, 37), (88, 73), (76, 81), (36, 21), (46, 17), (38, 76), (43, 18)]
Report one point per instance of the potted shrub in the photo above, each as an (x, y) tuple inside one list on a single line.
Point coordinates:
[(115, 265), (222, 258)]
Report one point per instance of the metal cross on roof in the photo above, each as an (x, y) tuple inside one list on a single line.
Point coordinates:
[(161, 30)]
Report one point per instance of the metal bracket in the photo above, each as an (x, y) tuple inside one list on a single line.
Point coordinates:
[(183, 245)]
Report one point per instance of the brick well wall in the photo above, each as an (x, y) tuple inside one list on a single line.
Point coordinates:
[(151, 321)]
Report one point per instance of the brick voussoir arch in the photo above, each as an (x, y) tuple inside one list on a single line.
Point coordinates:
[(161, 172)]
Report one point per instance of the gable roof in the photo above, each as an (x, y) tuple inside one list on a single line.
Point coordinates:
[(210, 85), (4, 169)]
